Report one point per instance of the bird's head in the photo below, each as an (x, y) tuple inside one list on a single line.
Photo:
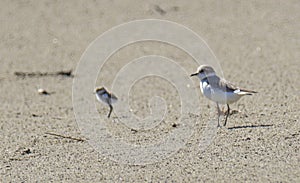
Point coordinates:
[(100, 90), (204, 71)]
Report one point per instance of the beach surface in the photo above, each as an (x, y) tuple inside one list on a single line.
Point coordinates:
[(256, 44)]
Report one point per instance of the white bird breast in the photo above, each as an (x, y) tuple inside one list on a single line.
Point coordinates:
[(218, 95), (105, 98)]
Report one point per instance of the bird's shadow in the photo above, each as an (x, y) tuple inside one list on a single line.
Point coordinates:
[(249, 126)]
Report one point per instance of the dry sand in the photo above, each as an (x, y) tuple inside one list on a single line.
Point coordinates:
[(256, 42)]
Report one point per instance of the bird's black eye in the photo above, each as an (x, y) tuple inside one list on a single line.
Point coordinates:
[(201, 71)]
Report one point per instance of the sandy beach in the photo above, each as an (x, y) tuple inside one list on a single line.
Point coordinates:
[(256, 45)]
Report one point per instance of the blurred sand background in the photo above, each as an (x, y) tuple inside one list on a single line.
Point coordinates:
[(256, 42)]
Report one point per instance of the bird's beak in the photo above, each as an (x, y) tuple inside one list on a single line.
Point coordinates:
[(195, 74)]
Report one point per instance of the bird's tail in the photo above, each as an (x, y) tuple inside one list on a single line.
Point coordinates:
[(246, 92)]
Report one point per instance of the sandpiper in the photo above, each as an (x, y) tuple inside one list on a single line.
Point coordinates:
[(104, 96), (219, 90)]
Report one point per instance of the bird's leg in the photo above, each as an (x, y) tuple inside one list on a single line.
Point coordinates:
[(219, 113), (110, 110), (228, 112)]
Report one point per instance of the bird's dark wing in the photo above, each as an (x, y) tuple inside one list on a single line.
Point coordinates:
[(221, 84), (112, 98), (225, 86), (229, 87)]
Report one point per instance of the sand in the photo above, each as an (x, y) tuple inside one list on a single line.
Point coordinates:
[(257, 45)]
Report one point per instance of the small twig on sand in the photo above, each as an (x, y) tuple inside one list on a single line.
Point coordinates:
[(66, 137), (42, 74), (159, 10)]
